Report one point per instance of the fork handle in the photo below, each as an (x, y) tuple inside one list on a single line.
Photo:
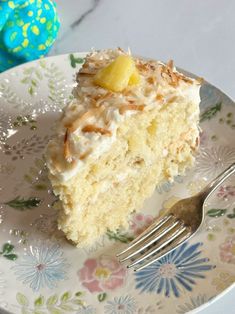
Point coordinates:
[(206, 192)]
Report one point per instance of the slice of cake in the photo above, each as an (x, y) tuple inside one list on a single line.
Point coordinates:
[(132, 124)]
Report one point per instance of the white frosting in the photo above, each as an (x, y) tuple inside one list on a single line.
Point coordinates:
[(95, 143)]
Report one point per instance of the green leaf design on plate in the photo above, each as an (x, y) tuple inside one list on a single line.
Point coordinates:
[(37, 175), (32, 78), (56, 84), (11, 257), (211, 112), (66, 296), (6, 252), (52, 300), (118, 236), (102, 296), (67, 303), (231, 216), (25, 120), (7, 248), (22, 299), (22, 204), (39, 301), (13, 98), (216, 212), (211, 236), (74, 61)]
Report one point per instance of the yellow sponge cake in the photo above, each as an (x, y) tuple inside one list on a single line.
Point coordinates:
[(132, 124)]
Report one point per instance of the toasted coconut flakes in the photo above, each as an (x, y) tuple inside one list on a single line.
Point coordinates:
[(172, 99), (92, 128), (103, 98), (73, 107), (57, 165), (185, 79), (85, 154), (56, 162), (62, 117), (121, 50), (174, 79), (94, 102), (168, 74), (151, 80), (179, 149), (67, 152), (124, 108), (194, 147), (170, 64), (107, 95), (86, 73), (173, 76), (142, 66), (159, 97), (127, 92), (97, 97), (66, 136), (138, 161), (76, 123), (85, 65), (152, 66), (200, 80)]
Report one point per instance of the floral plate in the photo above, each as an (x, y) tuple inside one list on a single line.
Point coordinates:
[(40, 272)]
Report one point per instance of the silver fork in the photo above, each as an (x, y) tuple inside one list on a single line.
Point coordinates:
[(172, 228)]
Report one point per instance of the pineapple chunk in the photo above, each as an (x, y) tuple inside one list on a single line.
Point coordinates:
[(118, 74), (134, 78)]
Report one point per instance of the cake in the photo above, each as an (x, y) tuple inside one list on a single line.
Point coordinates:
[(132, 124)]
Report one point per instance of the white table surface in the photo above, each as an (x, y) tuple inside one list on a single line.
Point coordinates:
[(199, 35)]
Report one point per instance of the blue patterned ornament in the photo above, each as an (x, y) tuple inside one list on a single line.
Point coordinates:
[(27, 30)]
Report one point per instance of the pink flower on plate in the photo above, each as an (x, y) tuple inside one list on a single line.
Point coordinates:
[(227, 250), (140, 222), (102, 274), (225, 192)]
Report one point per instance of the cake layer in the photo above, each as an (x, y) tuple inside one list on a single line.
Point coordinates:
[(113, 148)]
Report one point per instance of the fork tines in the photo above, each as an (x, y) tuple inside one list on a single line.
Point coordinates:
[(156, 241)]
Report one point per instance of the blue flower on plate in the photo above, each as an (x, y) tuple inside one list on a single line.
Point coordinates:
[(178, 269), (42, 266), (121, 305), (193, 303)]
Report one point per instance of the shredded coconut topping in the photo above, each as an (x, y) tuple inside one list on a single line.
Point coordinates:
[(89, 122)]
